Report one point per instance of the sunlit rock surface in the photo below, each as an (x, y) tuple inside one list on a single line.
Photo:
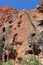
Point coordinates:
[(17, 25)]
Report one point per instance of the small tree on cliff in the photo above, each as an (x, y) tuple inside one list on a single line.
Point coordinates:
[(36, 40), (1, 49)]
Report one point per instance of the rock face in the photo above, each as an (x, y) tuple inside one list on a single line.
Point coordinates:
[(16, 26)]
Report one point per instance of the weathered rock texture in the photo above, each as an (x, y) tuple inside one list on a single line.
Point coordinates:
[(16, 26)]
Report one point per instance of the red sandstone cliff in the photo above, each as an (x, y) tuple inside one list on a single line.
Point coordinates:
[(16, 26)]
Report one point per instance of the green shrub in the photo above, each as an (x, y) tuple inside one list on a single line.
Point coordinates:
[(9, 62), (36, 39), (9, 47), (30, 60), (1, 49)]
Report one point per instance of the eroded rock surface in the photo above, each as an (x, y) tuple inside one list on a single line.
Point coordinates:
[(16, 26)]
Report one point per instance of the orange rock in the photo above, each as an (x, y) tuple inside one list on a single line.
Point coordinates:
[(19, 25)]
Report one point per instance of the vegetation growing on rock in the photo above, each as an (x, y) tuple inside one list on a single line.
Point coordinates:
[(30, 60)]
